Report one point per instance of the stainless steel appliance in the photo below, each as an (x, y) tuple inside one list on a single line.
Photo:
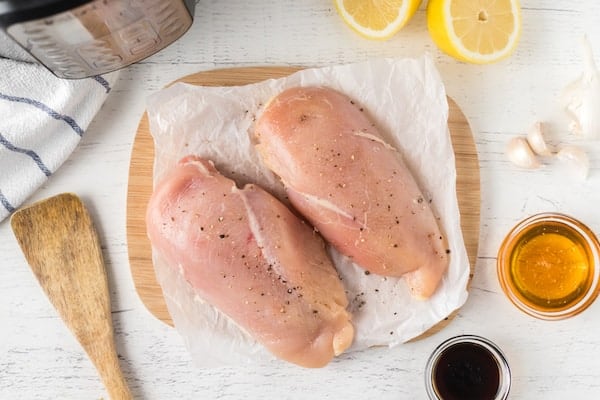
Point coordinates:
[(78, 39)]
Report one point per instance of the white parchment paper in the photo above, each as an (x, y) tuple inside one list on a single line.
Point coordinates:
[(406, 99)]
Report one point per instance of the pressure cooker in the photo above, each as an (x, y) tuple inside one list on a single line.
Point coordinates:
[(78, 38)]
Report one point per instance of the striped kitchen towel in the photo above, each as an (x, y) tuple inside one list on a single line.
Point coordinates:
[(42, 119)]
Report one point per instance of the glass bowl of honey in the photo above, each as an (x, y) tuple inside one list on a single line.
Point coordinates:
[(549, 266)]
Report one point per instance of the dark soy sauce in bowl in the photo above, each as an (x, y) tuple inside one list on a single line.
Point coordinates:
[(466, 371), (467, 368)]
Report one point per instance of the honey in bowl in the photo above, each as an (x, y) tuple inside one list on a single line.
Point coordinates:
[(548, 266)]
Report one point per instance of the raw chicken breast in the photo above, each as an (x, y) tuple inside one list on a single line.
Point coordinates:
[(352, 186), (244, 252)]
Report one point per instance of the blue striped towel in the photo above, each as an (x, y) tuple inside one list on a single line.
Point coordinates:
[(42, 119)]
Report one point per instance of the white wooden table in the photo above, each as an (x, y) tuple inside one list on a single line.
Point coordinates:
[(39, 358)]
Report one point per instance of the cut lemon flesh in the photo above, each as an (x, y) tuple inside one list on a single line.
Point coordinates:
[(476, 31), (376, 19)]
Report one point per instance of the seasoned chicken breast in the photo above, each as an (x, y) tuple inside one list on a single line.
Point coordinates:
[(352, 185), (248, 255)]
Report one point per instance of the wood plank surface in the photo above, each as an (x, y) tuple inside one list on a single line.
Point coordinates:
[(41, 360), (140, 184)]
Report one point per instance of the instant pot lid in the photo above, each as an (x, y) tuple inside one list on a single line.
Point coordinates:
[(89, 38), (14, 11)]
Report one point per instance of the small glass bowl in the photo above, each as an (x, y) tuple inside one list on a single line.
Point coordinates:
[(482, 346), (535, 266)]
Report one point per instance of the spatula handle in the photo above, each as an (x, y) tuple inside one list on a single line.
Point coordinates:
[(104, 356)]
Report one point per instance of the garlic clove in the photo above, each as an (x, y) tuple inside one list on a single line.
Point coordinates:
[(520, 154), (535, 138), (576, 160), (581, 98), (571, 99)]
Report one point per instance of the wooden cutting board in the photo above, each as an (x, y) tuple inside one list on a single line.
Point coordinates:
[(140, 184)]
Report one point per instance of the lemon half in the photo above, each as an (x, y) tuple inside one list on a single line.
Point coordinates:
[(376, 19), (475, 31)]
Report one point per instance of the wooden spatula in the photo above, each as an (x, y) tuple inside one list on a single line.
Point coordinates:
[(61, 245)]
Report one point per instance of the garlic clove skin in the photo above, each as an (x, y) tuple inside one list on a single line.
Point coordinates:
[(535, 139), (520, 153), (571, 100), (576, 160), (581, 98)]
